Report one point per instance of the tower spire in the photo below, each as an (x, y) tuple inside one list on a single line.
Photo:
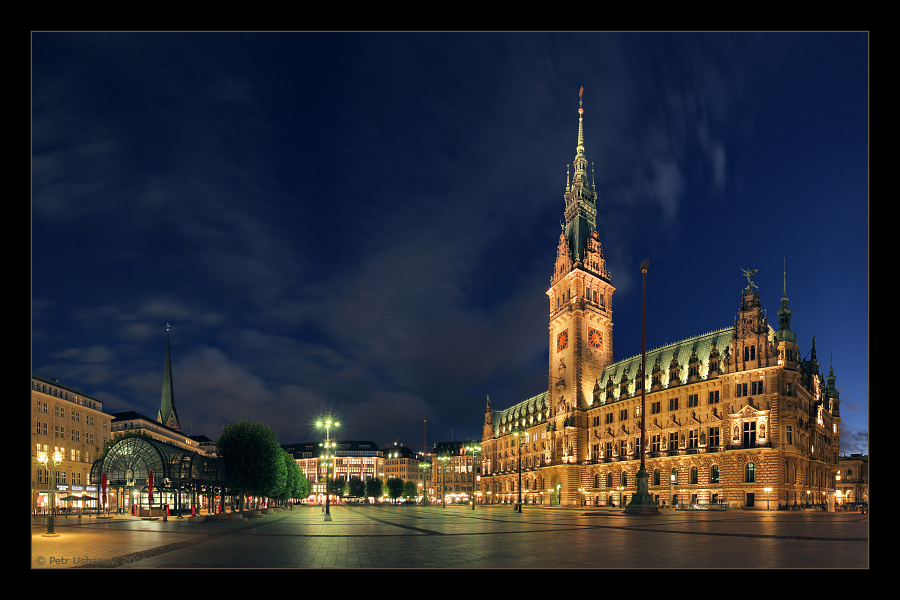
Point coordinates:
[(167, 415), (580, 160), (580, 197), (784, 315)]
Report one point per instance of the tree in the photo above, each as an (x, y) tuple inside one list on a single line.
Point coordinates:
[(374, 487), (291, 475), (395, 487), (253, 459), (336, 486), (304, 486), (357, 487), (410, 489)]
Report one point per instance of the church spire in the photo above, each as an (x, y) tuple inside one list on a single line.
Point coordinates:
[(784, 316), (580, 197), (167, 415), (580, 161)]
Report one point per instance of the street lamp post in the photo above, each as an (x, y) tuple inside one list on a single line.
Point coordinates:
[(519, 461), (50, 461), (473, 448), (424, 466), (767, 490), (327, 424), (443, 460), (642, 502), (672, 489)]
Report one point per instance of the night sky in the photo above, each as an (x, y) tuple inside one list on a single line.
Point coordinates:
[(367, 224)]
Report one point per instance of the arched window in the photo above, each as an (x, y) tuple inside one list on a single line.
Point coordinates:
[(750, 473), (675, 475), (714, 474), (597, 480), (693, 474), (609, 480), (624, 479), (655, 476)]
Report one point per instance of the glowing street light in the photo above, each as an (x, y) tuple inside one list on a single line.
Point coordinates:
[(49, 462), (767, 490), (328, 423)]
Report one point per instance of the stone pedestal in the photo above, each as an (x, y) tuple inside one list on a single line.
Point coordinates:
[(642, 502)]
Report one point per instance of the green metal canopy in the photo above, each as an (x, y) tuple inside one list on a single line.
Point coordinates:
[(131, 460)]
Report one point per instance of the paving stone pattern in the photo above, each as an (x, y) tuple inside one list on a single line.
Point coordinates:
[(402, 537)]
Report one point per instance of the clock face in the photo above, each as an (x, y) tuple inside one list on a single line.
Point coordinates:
[(595, 338), (562, 340)]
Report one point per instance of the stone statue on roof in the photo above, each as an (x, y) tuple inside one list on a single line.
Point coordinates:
[(747, 273)]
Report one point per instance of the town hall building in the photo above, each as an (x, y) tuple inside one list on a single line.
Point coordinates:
[(735, 417)]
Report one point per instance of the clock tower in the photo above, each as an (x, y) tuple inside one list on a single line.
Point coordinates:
[(580, 295)]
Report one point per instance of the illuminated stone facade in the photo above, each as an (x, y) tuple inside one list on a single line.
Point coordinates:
[(853, 483), (734, 416), (455, 472), (406, 464), (361, 459), (66, 420)]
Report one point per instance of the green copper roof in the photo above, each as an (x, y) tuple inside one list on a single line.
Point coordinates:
[(522, 410), (701, 345)]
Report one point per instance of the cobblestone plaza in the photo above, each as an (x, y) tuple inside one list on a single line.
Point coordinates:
[(496, 537)]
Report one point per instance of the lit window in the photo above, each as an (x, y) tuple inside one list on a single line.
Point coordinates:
[(750, 473)]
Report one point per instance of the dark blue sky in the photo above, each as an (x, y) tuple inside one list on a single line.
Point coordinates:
[(367, 223)]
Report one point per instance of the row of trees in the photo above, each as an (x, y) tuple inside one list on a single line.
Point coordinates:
[(373, 488), (257, 465)]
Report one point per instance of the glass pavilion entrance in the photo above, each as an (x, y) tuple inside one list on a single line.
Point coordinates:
[(181, 480)]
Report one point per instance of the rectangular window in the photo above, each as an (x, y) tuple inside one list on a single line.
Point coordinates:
[(692, 438), (673, 441), (623, 414), (609, 418), (713, 436), (789, 436), (756, 387), (654, 443), (749, 434), (693, 400), (655, 408), (714, 397), (673, 403)]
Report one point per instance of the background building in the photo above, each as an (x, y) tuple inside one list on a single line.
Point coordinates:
[(132, 421), (407, 464), (360, 459), (734, 416), (67, 420), (456, 473), (852, 481)]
